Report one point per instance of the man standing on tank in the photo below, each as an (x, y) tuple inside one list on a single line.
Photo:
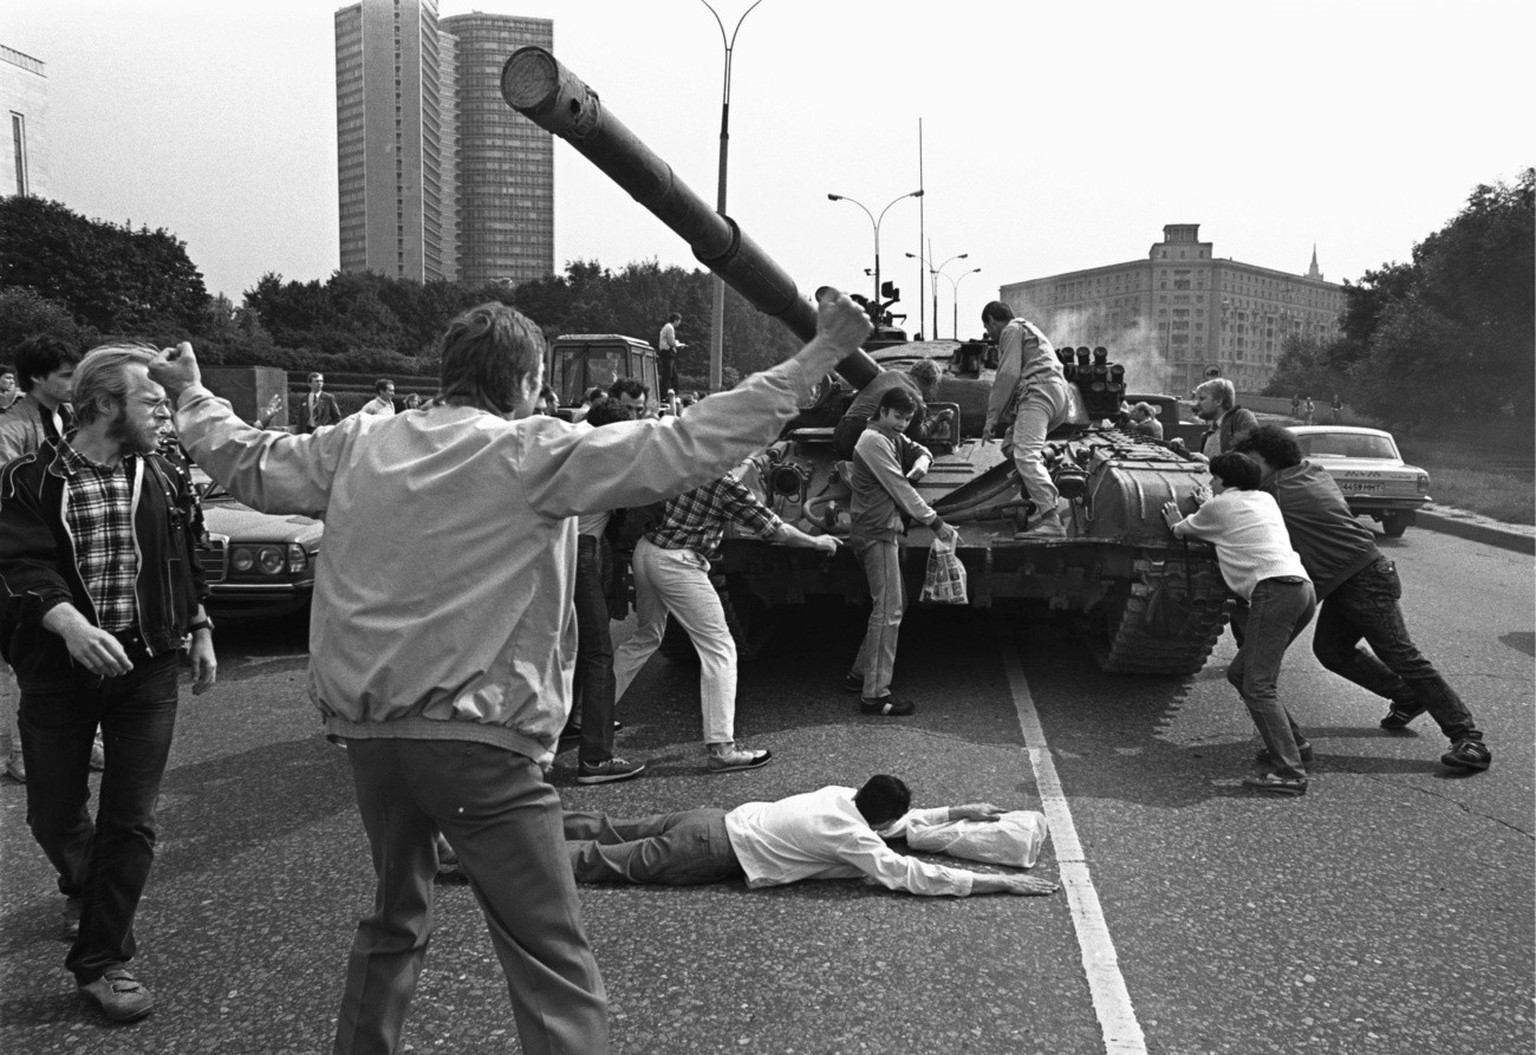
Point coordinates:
[(450, 716), (921, 379), (1029, 384)]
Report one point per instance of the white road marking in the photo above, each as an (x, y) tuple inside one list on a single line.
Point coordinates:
[(1111, 999)]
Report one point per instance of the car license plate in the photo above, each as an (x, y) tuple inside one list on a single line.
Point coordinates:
[(1358, 488)]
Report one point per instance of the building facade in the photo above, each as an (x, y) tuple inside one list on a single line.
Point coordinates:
[(438, 177), (24, 101), (1182, 311)]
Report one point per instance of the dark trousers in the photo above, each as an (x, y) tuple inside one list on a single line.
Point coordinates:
[(104, 864), (594, 651), (1278, 610), (1365, 606), (666, 373), (676, 849), (503, 820)]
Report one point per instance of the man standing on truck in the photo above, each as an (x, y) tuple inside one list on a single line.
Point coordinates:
[(1031, 388), (667, 347)]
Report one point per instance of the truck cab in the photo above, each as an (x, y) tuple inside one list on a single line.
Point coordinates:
[(580, 361)]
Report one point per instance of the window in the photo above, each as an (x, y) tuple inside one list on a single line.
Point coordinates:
[(19, 138)]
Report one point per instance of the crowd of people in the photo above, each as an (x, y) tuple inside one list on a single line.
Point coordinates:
[(451, 720)]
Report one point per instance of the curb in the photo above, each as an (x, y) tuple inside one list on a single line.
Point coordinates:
[(1488, 534)]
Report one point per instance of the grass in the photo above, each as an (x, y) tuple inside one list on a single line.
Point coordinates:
[(1496, 479)]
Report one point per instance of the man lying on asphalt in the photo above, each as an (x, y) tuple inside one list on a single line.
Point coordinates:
[(834, 833)]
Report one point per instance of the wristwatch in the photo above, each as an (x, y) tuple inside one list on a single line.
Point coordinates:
[(200, 624)]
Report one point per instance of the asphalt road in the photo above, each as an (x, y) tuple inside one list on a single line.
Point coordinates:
[(1389, 910)]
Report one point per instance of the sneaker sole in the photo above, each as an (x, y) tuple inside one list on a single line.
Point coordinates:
[(739, 766), (133, 1016), (608, 778), (1276, 789), (1464, 766)]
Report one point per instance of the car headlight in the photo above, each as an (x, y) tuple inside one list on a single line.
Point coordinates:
[(271, 560), (298, 560), (243, 559)]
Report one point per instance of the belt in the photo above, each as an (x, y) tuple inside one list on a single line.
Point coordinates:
[(131, 639)]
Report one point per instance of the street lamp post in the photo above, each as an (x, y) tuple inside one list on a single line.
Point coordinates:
[(875, 223), (717, 314), (934, 272), (954, 326)]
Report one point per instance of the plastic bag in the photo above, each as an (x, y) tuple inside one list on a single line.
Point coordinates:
[(1013, 839), (945, 581)]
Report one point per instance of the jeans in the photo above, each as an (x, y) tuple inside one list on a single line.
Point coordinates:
[(1278, 610), (876, 660), (1042, 408), (677, 849), (104, 864), (1365, 606), (676, 581), (503, 821), (594, 652)]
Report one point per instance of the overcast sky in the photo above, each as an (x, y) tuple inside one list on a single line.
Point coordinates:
[(1057, 135)]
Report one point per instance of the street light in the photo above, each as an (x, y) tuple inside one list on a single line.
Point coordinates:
[(875, 223), (934, 272), (954, 326), (717, 314)]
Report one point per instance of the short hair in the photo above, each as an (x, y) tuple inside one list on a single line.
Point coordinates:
[(1221, 388), (627, 386), (6, 368), (925, 372), (674, 317), (1237, 470), (1145, 408), (40, 356), (488, 354), (103, 374), (382, 383), (899, 400), (314, 374), (1275, 444), (605, 413), (996, 311), (882, 799), (595, 395)]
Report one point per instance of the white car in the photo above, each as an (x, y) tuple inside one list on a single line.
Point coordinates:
[(1369, 470)]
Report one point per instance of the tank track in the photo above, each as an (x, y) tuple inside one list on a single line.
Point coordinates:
[(1195, 606)]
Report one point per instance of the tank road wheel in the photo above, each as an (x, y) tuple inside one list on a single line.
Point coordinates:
[(1394, 524), (1165, 623), (752, 626)]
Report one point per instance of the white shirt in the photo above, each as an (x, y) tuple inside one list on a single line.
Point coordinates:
[(1250, 539), (822, 835), (668, 340), (382, 405)]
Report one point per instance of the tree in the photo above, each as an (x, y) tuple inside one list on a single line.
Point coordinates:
[(111, 278), (26, 313)]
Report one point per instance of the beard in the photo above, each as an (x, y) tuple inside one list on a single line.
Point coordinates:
[(132, 440)]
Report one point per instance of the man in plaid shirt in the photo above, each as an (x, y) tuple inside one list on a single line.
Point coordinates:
[(101, 589), (671, 568)]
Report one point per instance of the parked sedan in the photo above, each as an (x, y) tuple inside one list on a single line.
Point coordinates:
[(257, 564), (1369, 470)]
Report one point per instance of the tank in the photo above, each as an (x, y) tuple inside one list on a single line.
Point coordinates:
[(1142, 601)]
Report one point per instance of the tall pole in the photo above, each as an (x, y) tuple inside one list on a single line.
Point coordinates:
[(875, 223), (922, 221), (717, 314), (954, 330)]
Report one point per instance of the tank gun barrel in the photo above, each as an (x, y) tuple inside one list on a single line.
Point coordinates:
[(536, 85)]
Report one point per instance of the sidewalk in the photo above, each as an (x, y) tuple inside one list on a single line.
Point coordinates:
[(1477, 528)]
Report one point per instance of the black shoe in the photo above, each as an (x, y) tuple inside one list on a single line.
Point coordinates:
[(888, 707), (1467, 754), (608, 772), (853, 683), (1401, 715), (1264, 758), (1276, 784)]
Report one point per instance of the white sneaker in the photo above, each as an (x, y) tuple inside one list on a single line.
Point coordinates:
[(729, 758)]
